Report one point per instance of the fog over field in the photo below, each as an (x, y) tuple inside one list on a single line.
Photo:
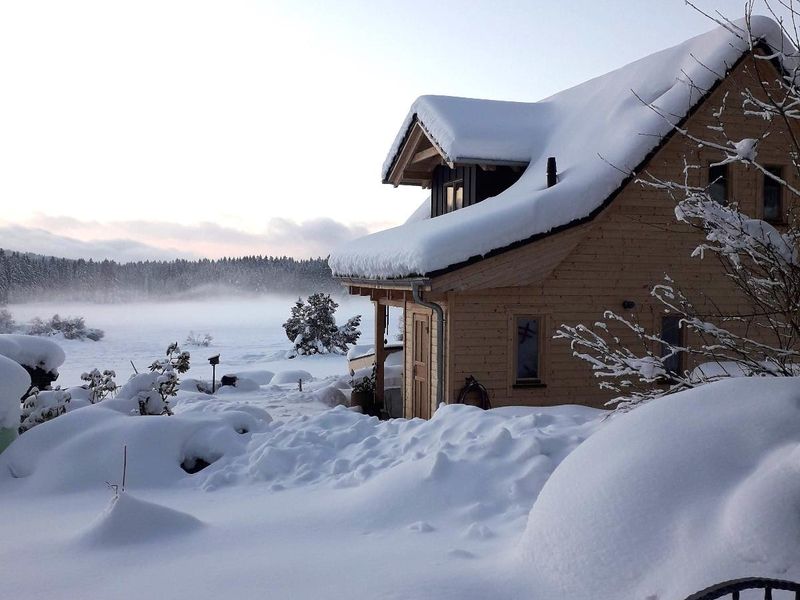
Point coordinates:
[(247, 334)]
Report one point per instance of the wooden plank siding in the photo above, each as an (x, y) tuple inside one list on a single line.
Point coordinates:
[(572, 277)]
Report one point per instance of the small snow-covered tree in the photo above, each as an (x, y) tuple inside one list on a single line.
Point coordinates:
[(199, 339), (762, 337), (99, 385), (312, 327), (165, 386), (7, 323)]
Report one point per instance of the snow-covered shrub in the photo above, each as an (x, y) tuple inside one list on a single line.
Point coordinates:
[(44, 405), (72, 328), (760, 336), (199, 339), (99, 385), (165, 384), (7, 323), (312, 327), (364, 382)]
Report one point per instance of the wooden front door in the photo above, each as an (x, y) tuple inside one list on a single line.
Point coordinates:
[(421, 367)]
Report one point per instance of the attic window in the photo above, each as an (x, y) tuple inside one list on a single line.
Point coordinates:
[(454, 194), (718, 183)]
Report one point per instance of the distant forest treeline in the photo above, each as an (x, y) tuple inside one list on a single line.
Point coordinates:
[(28, 277)]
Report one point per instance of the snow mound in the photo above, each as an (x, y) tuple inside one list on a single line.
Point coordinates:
[(464, 463), (330, 396), (260, 376), (129, 520), (687, 491), (14, 381), (243, 384), (291, 376), (32, 351), (82, 449)]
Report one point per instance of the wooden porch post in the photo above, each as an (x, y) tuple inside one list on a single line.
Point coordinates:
[(380, 351)]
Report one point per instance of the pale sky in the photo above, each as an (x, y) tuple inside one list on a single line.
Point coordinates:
[(156, 129)]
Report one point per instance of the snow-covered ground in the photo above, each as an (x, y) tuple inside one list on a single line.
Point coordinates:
[(247, 334), (299, 500)]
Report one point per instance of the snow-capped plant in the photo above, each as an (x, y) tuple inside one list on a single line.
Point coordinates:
[(7, 323), (100, 385), (166, 383), (365, 384), (199, 339), (41, 406), (312, 328), (72, 328), (762, 336)]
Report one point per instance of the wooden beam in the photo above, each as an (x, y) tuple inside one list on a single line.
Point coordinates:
[(425, 155), (381, 313)]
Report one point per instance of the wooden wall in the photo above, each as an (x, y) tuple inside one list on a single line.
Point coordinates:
[(626, 250)]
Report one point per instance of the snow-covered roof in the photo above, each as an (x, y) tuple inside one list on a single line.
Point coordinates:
[(469, 130), (601, 117)]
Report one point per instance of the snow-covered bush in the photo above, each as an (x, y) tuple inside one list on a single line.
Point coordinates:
[(760, 337), (72, 328), (41, 406), (7, 323), (165, 384), (312, 327), (99, 385), (364, 381), (199, 339)]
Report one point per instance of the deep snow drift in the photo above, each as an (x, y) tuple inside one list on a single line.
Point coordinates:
[(680, 494), (657, 503)]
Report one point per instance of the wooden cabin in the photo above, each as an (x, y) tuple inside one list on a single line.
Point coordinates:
[(534, 221)]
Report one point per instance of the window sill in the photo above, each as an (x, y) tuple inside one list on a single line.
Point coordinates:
[(527, 385)]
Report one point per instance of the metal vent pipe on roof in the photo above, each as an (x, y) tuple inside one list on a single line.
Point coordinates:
[(552, 172)]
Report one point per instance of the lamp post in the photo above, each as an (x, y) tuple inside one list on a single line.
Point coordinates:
[(213, 361)]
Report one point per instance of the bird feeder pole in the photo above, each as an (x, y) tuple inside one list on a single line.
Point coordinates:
[(213, 361)]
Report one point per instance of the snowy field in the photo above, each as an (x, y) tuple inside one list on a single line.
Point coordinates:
[(247, 334), (297, 500)]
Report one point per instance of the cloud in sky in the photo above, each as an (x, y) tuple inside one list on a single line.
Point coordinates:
[(156, 240)]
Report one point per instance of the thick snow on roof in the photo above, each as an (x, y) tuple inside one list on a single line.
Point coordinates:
[(468, 129), (601, 117)]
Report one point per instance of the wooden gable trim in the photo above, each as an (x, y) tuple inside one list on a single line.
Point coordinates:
[(407, 167), (439, 273)]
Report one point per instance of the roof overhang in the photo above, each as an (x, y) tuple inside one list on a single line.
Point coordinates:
[(419, 154), (416, 158)]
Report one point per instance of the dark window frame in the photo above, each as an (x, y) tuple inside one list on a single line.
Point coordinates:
[(777, 170), (677, 363), (716, 179), (518, 381), (455, 185)]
